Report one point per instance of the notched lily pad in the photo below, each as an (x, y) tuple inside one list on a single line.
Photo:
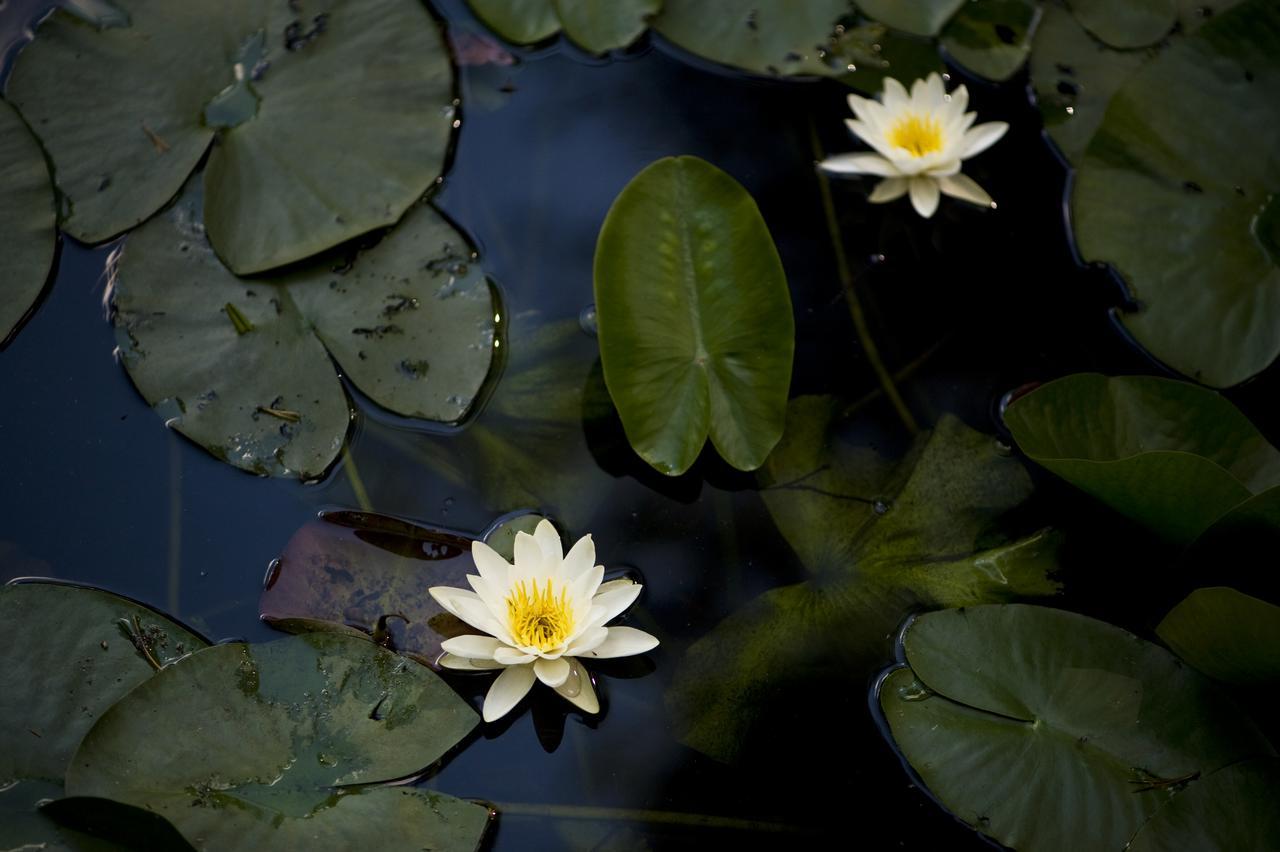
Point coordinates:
[(1050, 731), (27, 221), (330, 118), (1226, 634)]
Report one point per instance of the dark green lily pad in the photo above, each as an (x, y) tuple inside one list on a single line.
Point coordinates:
[(1226, 634), (594, 26), (27, 221), (411, 323), (1127, 24), (919, 17), (331, 118), (1188, 140), (1231, 809), (1170, 455), (79, 644), (992, 38), (262, 739), (1047, 730), (518, 21), (880, 540), (696, 330)]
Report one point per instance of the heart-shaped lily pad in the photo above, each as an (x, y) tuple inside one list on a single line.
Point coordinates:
[(1226, 634), (261, 741), (919, 17), (594, 26), (1231, 809), (992, 38), (696, 330), (331, 117), (1170, 455), (239, 365), (880, 540), (26, 221), (1049, 731)]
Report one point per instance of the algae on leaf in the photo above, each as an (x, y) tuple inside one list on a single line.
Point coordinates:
[(27, 221)]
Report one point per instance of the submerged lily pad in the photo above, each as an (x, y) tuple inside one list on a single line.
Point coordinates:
[(331, 120), (696, 329), (1188, 141), (27, 221), (1226, 634), (1049, 731), (879, 541), (1170, 455), (992, 38), (86, 649), (411, 323), (282, 729), (1231, 809), (919, 17)]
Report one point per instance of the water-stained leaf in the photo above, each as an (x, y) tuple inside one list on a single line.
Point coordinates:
[(1226, 634), (1048, 731), (26, 220)]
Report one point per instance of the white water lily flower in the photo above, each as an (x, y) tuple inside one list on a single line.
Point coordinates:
[(542, 614), (919, 140)]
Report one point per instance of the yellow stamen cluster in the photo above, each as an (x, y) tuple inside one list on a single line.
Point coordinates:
[(917, 136), (539, 618)]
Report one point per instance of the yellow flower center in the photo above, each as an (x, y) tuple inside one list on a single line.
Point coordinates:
[(539, 618), (917, 136)]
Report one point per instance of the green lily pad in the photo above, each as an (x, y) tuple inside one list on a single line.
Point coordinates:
[(27, 221), (1188, 140), (1170, 455), (330, 120), (992, 38), (1047, 730), (919, 17), (1132, 23), (1226, 634), (879, 540), (696, 330), (411, 324), (518, 21), (594, 26), (1231, 809), (261, 741), (86, 648)]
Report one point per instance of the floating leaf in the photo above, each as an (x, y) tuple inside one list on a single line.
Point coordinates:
[(411, 323), (1047, 730), (1132, 23), (86, 649), (1226, 634), (282, 727), (696, 330), (992, 38), (1231, 809), (880, 540), (594, 26), (1170, 455), (518, 21), (1188, 141), (920, 17), (329, 122), (26, 221)]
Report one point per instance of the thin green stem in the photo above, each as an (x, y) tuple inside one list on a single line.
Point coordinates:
[(851, 296), (353, 476), (593, 814)]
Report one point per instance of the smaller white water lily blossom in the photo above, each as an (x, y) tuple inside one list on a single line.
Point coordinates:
[(919, 140), (542, 615)]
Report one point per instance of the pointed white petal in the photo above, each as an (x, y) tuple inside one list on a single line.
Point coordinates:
[(491, 565), (577, 689), (465, 664), (965, 188), (942, 168), (552, 672), (895, 95), (549, 541), (583, 591), (471, 647), (858, 164), (588, 640), (888, 189), (580, 558), (492, 599), (959, 100), (511, 656), (528, 555), (609, 604), (448, 596), (623, 642), (614, 585), (924, 195), (980, 138), (513, 684), (860, 106)]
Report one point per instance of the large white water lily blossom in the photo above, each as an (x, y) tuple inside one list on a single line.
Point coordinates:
[(919, 140), (542, 615)]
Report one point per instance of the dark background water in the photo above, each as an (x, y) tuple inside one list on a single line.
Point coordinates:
[(96, 490)]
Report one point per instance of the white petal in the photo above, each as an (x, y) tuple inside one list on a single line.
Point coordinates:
[(495, 570), (980, 138), (895, 95), (615, 585), (471, 647), (587, 640), (860, 106), (577, 689), (549, 541), (584, 589), (528, 555), (623, 642), (858, 164), (492, 599), (448, 596), (608, 604), (513, 684), (511, 657), (965, 188), (580, 558), (464, 664), (959, 100), (924, 195), (942, 169), (888, 189), (475, 613), (873, 136), (552, 672)]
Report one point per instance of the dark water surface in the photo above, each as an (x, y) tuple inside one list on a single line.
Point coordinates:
[(98, 491)]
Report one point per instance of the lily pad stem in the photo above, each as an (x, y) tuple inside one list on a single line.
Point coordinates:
[(353, 476)]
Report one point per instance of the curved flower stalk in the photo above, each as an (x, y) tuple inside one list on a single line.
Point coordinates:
[(919, 140), (542, 615)]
